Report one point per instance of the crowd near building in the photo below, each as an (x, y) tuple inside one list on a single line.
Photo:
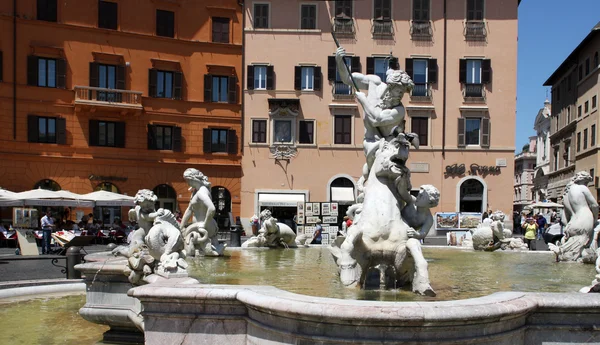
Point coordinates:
[(123, 95)]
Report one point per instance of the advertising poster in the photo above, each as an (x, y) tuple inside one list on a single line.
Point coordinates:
[(329, 220), (325, 209), (334, 209), (458, 238), (446, 220), (469, 220), (300, 213), (300, 229), (311, 220), (309, 230), (309, 211), (324, 238), (333, 230), (316, 208)]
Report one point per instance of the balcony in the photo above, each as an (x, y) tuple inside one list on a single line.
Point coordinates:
[(343, 26), (474, 92), (475, 31), (382, 28), (421, 92), (108, 98), (342, 91), (421, 30)]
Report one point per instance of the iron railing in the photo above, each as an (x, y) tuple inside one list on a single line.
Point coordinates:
[(382, 28), (103, 96), (420, 92), (475, 30), (344, 26), (342, 91), (474, 91), (421, 30)]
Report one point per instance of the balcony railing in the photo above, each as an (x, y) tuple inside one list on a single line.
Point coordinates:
[(475, 30), (420, 93), (108, 97), (343, 26), (421, 30), (476, 91), (342, 91), (382, 28)]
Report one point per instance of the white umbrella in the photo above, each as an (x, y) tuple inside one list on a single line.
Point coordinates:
[(7, 198), (42, 197), (546, 205), (104, 198)]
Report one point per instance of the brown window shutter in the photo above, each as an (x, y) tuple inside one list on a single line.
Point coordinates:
[(270, 78), (177, 139), (120, 134), (61, 73), (121, 78), (206, 139), (32, 129), (151, 138), (355, 61), (1, 65), (32, 70), (370, 64), (94, 132), (485, 132), (462, 71), (207, 88), (152, 83), (318, 79), (250, 78), (461, 132), (232, 142), (297, 77), (61, 130), (177, 85), (432, 68), (486, 71), (331, 67), (93, 74), (232, 90), (408, 67)]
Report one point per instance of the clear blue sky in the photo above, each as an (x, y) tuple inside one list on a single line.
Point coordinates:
[(549, 30)]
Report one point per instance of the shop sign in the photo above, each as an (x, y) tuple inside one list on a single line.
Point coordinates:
[(107, 178), (474, 169)]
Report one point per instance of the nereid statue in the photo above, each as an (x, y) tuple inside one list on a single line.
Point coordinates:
[(491, 235), (273, 234), (389, 223)]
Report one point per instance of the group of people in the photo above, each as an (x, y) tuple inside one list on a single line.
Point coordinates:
[(534, 227)]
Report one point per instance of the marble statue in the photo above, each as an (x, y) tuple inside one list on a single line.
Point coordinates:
[(198, 227), (156, 246), (595, 287), (491, 235), (274, 234), (580, 214), (388, 223)]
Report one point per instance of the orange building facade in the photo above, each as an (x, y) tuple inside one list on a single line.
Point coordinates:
[(121, 95)]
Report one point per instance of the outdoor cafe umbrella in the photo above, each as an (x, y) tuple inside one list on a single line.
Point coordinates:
[(547, 204), (43, 197), (7, 198), (104, 198)]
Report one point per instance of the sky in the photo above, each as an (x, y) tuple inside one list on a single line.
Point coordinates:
[(549, 30)]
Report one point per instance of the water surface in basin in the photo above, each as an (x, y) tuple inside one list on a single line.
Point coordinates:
[(47, 320), (455, 274)]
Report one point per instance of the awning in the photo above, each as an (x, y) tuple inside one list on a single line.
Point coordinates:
[(472, 197), (286, 200), (342, 194)]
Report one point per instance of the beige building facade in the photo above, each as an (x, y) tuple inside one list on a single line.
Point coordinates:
[(303, 129), (524, 193), (574, 125)]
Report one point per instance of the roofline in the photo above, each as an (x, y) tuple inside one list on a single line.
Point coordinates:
[(569, 60)]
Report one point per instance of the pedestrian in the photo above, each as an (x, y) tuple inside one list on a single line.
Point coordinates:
[(317, 234), (344, 226), (47, 227), (542, 224), (530, 229)]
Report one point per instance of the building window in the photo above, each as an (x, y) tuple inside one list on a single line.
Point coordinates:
[(104, 133), (475, 10), (107, 187), (579, 111), (165, 84), (339, 87), (218, 140), (594, 102), (587, 107), (578, 141), (474, 73), (419, 125), (46, 72), (593, 136), (474, 131), (585, 137), (421, 10), (383, 10), (259, 131), (567, 153), (306, 131), (307, 76), (592, 172), (343, 8), (162, 137), (220, 30), (51, 130), (555, 162), (568, 114), (472, 128), (343, 23), (420, 77), (260, 77), (165, 23), (595, 60), (47, 185), (261, 16), (308, 17), (46, 10), (107, 15), (343, 129), (282, 132), (220, 89)]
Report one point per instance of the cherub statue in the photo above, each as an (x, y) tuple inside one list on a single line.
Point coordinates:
[(201, 234)]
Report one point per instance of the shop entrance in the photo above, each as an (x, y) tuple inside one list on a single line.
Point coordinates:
[(284, 214), (471, 196)]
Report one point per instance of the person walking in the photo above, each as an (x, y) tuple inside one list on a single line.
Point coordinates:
[(317, 235), (542, 224), (47, 227), (530, 228)]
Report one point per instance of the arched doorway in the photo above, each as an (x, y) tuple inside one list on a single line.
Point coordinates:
[(47, 184), (472, 196), (221, 198), (108, 214), (342, 191), (167, 197)]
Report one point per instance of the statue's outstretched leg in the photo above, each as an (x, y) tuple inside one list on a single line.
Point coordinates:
[(420, 282), (350, 272)]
